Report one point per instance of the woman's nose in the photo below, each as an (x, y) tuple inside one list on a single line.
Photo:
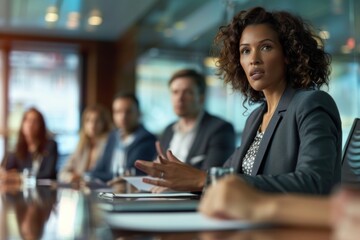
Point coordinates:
[(255, 58)]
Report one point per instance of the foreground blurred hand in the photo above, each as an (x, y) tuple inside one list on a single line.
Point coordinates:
[(277, 233), (232, 198), (172, 173), (346, 214)]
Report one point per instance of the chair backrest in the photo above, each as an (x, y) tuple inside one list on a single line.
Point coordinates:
[(350, 170)]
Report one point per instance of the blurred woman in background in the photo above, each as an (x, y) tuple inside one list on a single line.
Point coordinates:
[(35, 150), (96, 124)]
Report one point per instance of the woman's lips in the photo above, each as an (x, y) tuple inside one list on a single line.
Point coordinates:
[(257, 74)]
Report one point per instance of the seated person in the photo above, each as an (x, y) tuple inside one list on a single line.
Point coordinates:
[(232, 198), (199, 138), (292, 141), (34, 150), (96, 124), (127, 143)]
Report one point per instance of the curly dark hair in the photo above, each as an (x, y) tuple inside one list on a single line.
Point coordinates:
[(308, 65)]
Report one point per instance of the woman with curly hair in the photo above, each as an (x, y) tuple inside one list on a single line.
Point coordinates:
[(292, 141), (34, 150)]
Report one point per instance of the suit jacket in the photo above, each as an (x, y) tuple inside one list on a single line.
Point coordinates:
[(213, 144), (47, 169), (78, 161), (301, 147), (143, 147)]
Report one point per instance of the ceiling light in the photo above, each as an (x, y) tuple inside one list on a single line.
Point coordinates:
[(95, 18), (51, 14)]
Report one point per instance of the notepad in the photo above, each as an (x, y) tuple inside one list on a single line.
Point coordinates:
[(148, 195), (169, 222), (137, 182), (158, 205)]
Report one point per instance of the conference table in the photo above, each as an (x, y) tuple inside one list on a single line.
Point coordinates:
[(67, 212)]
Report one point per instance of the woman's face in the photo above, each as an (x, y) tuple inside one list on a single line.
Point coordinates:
[(31, 125), (262, 57), (92, 124)]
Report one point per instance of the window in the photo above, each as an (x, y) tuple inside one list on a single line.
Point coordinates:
[(47, 79)]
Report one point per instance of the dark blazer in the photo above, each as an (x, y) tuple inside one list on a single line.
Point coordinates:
[(301, 147), (213, 144), (47, 168), (142, 148)]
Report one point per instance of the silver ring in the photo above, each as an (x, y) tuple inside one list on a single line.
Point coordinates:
[(162, 174)]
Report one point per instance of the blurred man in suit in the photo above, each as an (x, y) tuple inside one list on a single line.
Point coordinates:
[(127, 143), (197, 137)]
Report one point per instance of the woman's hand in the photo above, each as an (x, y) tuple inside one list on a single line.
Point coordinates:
[(346, 214), (10, 176), (232, 198), (172, 173)]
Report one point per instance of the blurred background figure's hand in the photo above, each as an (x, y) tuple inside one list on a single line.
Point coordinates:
[(11, 176)]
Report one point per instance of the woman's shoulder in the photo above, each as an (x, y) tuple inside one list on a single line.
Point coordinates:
[(307, 101), (312, 97), (312, 93)]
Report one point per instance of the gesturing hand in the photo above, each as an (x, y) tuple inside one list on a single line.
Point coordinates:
[(172, 173)]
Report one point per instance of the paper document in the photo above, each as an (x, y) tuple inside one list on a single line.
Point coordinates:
[(168, 222), (139, 184), (148, 195)]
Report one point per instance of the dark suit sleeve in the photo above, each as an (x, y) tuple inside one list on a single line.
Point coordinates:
[(221, 146), (53, 158), (145, 150), (10, 162), (48, 165), (319, 150), (102, 169)]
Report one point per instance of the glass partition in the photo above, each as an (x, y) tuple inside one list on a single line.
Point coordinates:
[(49, 81)]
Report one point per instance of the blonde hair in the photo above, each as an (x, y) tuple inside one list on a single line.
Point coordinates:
[(105, 119)]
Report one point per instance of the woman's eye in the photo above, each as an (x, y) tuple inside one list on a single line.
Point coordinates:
[(244, 51), (266, 47)]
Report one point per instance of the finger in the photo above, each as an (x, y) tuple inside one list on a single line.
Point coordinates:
[(171, 156), (156, 182), (147, 167), (151, 168), (162, 160), (159, 149)]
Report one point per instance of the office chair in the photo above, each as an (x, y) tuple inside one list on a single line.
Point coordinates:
[(350, 170)]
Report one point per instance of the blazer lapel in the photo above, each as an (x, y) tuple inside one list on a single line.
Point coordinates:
[(274, 122), (247, 140)]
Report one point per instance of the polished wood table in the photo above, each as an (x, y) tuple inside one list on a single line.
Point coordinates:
[(53, 212)]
